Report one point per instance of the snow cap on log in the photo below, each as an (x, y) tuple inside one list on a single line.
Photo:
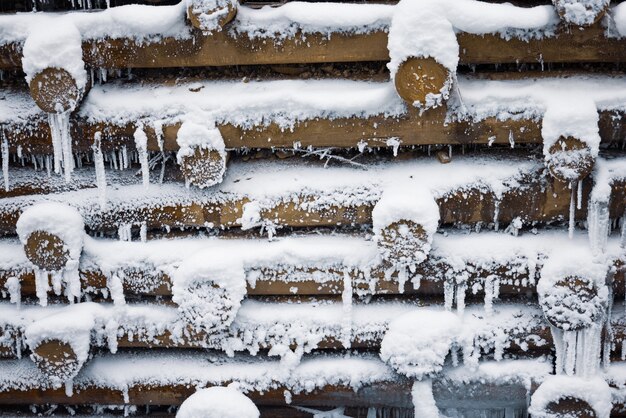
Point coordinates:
[(418, 342), (572, 290), (218, 402), (424, 52), (53, 64), (571, 138), (52, 234), (566, 396), (202, 154), (211, 15), (581, 12), (405, 220), (60, 342), (208, 288)]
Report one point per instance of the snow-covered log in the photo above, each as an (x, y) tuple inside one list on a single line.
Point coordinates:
[(202, 156), (570, 159), (56, 359), (419, 80), (581, 12), (218, 402), (55, 90), (211, 15), (568, 396)]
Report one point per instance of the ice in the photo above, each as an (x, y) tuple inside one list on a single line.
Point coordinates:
[(98, 161), (61, 143), (5, 162), (141, 143)]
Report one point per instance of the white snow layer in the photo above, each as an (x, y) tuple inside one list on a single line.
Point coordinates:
[(594, 391), (581, 12), (218, 402)]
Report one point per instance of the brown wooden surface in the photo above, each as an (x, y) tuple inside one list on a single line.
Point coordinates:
[(219, 49)]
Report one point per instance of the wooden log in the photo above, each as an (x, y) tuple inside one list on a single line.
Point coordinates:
[(46, 251), (204, 168), (401, 241), (56, 359), (570, 407), (213, 20), (575, 296), (581, 13), (219, 49), (55, 90), (570, 159), (419, 80)]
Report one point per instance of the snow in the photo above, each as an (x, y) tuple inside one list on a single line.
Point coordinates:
[(141, 143), (581, 12), (58, 48), (423, 399), (404, 202), (210, 12), (594, 391), (619, 17), (193, 137), (218, 402), (417, 343)]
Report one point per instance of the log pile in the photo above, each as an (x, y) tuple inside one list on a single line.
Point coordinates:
[(245, 208)]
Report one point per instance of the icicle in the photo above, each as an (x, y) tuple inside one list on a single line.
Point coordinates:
[(42, 286), (496, 213), (124, 232), (14, 287), (511, 139), (124, 164), (141, 142), (423, 399), (61, 143), (158, 131), (346, 321), (5, 163), (69, 387), (579, 195), (143, 232), (116, 289), (403, 275), (622, 241), (572, 210), (578, 352), (492, 291), (448, 292), (113, 159), (98, 161), (461, 289), (598, 225)]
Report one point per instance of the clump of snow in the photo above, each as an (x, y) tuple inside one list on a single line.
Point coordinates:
[(210, 12), (619, 17), (58, 48), (595, 391), (209, 290), (580, 12), (66, 223), (417, 343), (423, 399), (307, 18), (562, 120), (192, 137), (398, 205), (218, 402), (572, 289)]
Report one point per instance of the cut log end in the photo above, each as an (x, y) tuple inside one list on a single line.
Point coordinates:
[(204, 168), (422, 81), (570, 159), (211, 20), (46, 251), (568, 407), (403, 243), (56, 359), (581, 13), (54, 90), (571, 299)]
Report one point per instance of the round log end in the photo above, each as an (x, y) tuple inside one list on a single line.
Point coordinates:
[(581, 12), (573, 303), (404, 243), (54, 90), (46, 251), (568, 407), (211, 20), (422, 81), (204, 168), (570, 159), (56, 359)]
